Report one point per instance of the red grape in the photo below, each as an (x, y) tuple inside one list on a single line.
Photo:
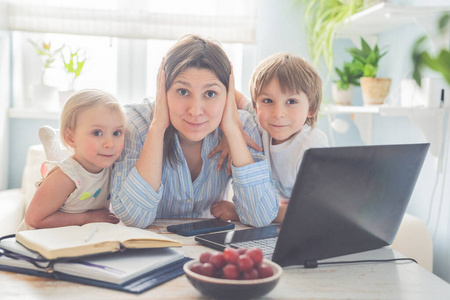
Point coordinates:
[(265, 271), (230, 255), (230, 271), (241, 251), (196, 267), (256, 255), (251, 274), (245, 263), (218, 260), (204, 257), (233, 264), (207, 269)]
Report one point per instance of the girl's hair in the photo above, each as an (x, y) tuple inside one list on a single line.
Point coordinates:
[(293, 74), (192, 51), (80, 102)]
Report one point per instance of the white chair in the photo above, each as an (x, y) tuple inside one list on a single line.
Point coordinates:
[(13, 202), (414, 240)]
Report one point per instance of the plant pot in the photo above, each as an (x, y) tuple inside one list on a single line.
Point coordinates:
[(374, 90), (342, 97), (44, 97)]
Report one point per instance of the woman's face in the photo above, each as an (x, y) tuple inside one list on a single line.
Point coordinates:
[(196, 102)]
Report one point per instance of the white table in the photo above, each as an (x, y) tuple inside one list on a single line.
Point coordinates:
[(393, 280)]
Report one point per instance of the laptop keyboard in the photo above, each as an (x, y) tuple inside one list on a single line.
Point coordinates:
[(266, 245)]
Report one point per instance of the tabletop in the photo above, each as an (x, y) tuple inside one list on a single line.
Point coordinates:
[(386, 280)]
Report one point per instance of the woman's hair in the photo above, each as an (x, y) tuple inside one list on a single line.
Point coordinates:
[(80, 102), (293, 74), (192, 51)]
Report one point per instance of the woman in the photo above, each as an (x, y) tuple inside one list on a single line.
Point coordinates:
[(164, 170)]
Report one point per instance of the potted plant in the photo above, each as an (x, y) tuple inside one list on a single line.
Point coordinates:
[(439, 63), (342, 89), (43, 95), (73, 65), (323, 19), (366, 59)]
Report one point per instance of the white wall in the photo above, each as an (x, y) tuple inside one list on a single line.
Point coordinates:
[(281, 28), (4, 96)]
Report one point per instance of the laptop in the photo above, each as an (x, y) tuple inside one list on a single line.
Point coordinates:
[(345, 200)]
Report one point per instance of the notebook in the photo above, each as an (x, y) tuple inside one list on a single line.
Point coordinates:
[(345, 200), (134, 270)]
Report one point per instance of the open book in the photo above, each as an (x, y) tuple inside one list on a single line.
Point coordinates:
[(92, 238), (134, 271)]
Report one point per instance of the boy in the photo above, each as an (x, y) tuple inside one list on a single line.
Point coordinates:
[(286, 94)]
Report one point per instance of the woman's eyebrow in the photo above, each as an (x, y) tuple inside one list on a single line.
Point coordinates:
[(209, 85), (182, 82), (206, 86)]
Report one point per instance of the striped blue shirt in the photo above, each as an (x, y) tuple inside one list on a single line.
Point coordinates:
[(136, 203)]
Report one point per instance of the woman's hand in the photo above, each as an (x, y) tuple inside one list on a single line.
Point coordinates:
[(161, 117), (224, 150), (149, 164), (231, 125), (230, 118)]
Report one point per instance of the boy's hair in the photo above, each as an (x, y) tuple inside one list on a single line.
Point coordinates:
[(80, 102), (192, 51), (293, 74)]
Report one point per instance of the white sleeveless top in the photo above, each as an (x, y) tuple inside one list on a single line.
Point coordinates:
[(91, 190)]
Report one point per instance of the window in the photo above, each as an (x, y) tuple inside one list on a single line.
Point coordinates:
[(123, 42), (99, 71)]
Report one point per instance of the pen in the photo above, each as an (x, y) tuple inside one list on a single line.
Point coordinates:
[(91, 232)]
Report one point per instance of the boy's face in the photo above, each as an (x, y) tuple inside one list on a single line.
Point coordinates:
[(282, 115), (98, 139)]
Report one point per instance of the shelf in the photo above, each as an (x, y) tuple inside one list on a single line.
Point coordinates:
[(386, 16), (431, 121), (33, 113), (383, 110)]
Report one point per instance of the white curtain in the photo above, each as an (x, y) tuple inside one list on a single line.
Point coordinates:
[(224, 20), (4, 96)]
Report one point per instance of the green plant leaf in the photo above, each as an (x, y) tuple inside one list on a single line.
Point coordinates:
[(440, 64), (323, 19), (421, 58), (370, 70), (75, 63), (366, 59), (443, 23)]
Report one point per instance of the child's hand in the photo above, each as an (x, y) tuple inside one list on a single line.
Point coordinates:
[(101, 215), (224, 210), (161, 116), (224, 151)]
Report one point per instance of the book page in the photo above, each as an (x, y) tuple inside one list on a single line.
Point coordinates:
[(70, 241)]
